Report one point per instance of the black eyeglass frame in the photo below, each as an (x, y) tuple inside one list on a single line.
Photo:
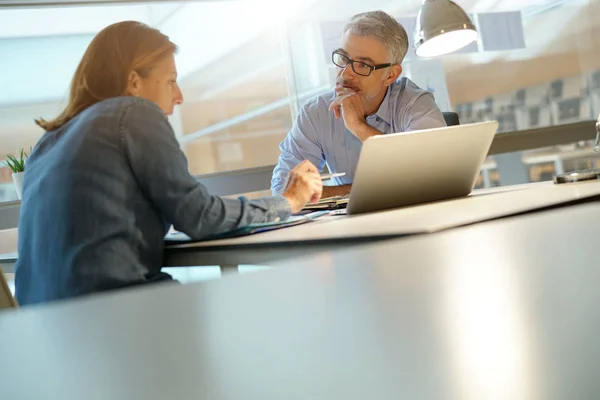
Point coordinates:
[(351, 62)]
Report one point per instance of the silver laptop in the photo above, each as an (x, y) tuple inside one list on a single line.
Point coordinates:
[(403, 169)]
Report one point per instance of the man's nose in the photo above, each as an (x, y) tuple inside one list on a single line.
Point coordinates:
[(348, 72)]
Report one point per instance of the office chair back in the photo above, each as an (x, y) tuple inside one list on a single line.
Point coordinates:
[(6, 298), (451, 118)]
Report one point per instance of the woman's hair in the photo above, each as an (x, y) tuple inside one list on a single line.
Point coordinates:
[(104, 70)]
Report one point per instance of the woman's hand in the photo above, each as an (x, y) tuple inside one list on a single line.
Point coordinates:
[(304, 185)]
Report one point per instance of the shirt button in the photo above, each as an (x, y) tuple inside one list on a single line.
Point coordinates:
[(377, 119)]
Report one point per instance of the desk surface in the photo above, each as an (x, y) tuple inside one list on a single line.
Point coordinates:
[(427, 218), (9, 238), (508, 309), (339, 232)]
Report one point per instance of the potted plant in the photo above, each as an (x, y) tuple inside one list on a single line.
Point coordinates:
[(17, 165)]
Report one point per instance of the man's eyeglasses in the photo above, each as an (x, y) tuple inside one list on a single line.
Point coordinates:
[(359, 67)]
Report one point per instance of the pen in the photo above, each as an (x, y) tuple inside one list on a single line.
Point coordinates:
[(325, 177)]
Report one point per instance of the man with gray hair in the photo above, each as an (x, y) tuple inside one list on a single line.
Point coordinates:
[(368, 100)]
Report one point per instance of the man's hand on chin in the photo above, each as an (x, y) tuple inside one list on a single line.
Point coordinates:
[(348, 105)]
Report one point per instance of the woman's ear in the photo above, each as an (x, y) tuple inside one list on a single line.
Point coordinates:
[(394, 73), (134, 83)]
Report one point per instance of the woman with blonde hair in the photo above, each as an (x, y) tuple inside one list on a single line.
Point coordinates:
[(108, 178)]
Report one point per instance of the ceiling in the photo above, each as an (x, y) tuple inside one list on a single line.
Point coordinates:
[(38, 22), (63, 3)]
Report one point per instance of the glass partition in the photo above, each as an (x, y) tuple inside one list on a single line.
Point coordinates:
[(231, 70)]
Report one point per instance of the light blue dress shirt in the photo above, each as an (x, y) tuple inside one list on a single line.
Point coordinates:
[(317, 136)]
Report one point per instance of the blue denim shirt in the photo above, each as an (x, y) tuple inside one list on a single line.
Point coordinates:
[(99, 196), (317, 136)]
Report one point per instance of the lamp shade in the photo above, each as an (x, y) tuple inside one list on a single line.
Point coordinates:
[(442, 27)]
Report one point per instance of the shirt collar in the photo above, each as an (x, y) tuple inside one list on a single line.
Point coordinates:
[(384, 108)]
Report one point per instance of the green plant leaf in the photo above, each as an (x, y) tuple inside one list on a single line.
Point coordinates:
[(17, 164)]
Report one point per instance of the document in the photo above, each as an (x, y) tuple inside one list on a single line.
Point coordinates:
[(175, 237)]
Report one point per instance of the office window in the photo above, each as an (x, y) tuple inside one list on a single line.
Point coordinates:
[(237, 108), (39, 56), (231, 65)]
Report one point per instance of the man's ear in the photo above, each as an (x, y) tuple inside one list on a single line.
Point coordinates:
[(134, 83), (394, 73)]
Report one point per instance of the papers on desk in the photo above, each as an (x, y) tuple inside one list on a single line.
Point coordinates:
[(175, 237), (328, 203)]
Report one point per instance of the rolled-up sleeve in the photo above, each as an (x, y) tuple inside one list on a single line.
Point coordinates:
[(423, 113), (300, 144), (161, 171)]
